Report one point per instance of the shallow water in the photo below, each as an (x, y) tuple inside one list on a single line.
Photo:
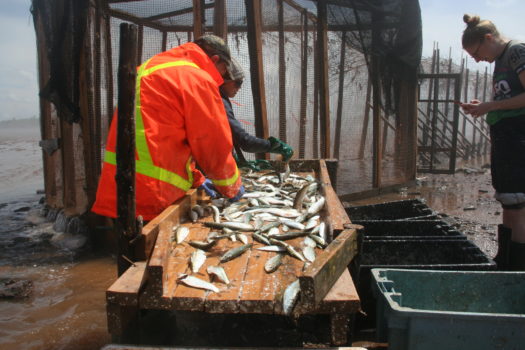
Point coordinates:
[(66, 307)]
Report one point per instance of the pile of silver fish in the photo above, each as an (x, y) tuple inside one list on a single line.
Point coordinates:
[(276, 208)]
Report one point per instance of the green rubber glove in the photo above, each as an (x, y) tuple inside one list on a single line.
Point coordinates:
[(277, 146)]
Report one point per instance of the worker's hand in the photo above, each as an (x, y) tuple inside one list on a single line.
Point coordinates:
[(277, 146), (209, 188), (238, 195)]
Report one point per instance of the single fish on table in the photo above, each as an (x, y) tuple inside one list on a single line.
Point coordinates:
[(195, 282), (198, 257), (232, 225), (273, 263), (309, 253), (290, 296), (219, 272), (235, 252), (272, 248), (181, 233), (204, 245)]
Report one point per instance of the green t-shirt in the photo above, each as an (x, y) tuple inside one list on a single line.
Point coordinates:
[(506, 80)]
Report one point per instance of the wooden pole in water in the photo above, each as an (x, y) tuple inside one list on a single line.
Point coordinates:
[(125, 177)]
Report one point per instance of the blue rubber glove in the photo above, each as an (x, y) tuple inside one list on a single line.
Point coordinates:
[(209, 188), (238, 195)]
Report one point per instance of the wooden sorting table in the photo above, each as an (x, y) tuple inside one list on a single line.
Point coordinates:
[(326, 285)]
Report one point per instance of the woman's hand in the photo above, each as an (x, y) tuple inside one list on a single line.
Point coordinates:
[(476, 108)]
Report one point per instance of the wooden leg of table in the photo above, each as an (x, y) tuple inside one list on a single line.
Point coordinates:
[(339, 329), (123, 323)]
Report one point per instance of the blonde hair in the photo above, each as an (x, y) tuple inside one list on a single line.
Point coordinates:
[(476, 30)]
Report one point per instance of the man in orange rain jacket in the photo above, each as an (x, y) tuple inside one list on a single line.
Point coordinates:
[(179, 120)]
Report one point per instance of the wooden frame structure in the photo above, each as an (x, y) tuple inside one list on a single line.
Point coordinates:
[(74, 151)]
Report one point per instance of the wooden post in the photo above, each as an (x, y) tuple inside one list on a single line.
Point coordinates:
[(198, 30), (464, 128), (304, 86), (253, 16), (125, 177), (220, 23), (475, 148), (164, 43), (338, 121), (322, 48), (376, 107), (364, 129), (282, 73), (449, 70), (315, 129)]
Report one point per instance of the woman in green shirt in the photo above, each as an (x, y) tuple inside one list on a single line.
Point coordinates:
[(506, 117)]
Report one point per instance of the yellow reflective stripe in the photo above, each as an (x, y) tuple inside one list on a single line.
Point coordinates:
[(140, 132), (227, 182), (155, 172), (165, 65)]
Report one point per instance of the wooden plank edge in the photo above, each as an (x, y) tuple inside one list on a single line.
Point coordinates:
[(319, 278), (125, 290)]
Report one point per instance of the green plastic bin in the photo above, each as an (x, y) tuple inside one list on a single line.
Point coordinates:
[(437, 310)]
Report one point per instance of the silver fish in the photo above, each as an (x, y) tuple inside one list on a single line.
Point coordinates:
[(194, 216), (308, 242), (199, 209), (260, 238), (238, 226), (272, 248), (294, 253), (235, 252), (216, 213), (322, 231), (312, 222), (198, 257), (242, 237), (219, 272), (309, 253), (273, 231), (316, 207), (202, 245), (292, 224), (291, 235), (290, 296), (299, 197), (197, 282), (181, 233), (319, 240), (273, 263)]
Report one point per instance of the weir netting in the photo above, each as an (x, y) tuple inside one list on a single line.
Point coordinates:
[(339, 77)]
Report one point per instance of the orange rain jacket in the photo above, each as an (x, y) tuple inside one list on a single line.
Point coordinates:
[(179, 120)]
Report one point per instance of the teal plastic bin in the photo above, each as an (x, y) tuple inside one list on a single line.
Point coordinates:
[(437, 310)]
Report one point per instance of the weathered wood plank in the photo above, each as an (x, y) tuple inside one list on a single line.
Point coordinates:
[(227, 300), (125, 290), (319, 278), (342, 297), (337, 215), (184, 297), (259, 286), (174, 214)]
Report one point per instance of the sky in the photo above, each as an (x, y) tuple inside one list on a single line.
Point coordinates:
[(442, 23)]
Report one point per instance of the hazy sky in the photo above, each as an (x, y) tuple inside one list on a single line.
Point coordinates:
[(442, 22)]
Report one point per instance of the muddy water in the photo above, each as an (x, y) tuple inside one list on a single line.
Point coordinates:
[(66, 305)]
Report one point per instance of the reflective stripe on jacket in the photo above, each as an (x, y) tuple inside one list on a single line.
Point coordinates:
[(179, 119)]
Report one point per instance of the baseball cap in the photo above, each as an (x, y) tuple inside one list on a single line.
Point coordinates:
[(236, 72), (214, 45)]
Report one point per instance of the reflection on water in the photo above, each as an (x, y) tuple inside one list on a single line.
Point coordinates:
[(66, 309)]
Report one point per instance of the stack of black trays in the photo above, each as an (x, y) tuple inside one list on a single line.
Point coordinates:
[(407, 234)]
